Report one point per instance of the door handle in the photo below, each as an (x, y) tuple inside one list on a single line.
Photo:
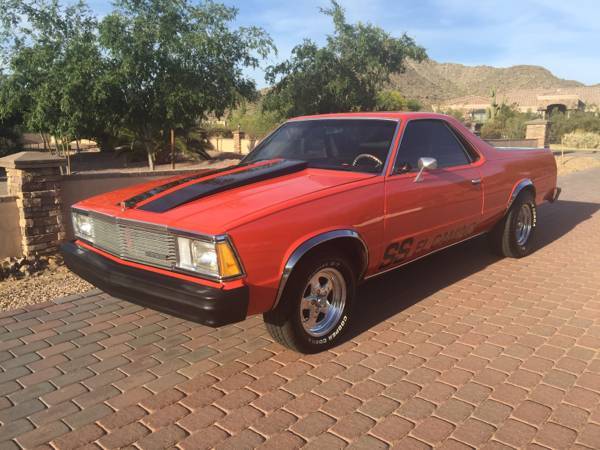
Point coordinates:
[(476, 181)]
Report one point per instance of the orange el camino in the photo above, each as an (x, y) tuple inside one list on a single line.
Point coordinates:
[(320, 205)]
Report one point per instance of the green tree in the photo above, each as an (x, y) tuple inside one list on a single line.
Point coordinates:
[(10, 125), (254, 120), (176, 62), (344, 75), (390, 100), (54, 67)]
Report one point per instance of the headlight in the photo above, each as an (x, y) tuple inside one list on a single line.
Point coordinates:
[(83, 226), (215, 259)]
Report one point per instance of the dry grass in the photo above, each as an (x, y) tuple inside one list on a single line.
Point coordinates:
[(576, 163)]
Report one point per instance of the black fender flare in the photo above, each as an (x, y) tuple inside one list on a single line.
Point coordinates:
[(310, 244), (519, 187)]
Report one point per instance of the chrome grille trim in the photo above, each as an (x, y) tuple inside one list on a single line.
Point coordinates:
[(111, 238), (106, 234), (135, 241)]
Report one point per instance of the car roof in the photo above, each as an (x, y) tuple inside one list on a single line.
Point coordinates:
[(395, 115)]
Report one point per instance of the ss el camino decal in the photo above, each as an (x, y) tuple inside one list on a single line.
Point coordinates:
[(400, 251)]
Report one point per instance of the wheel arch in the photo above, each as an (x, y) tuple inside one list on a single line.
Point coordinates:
[(346, 239), (521, 186)]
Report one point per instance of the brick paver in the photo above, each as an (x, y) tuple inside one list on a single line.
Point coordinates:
[(459, 350)]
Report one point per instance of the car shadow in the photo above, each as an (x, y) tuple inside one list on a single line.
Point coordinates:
[(382, 297)]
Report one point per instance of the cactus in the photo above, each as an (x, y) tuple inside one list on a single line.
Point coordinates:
[(494, 108)]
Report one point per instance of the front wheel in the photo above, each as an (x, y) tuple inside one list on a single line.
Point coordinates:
[(316, 304), (513, 235)]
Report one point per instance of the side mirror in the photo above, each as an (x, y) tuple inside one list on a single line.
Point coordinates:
[(425, 164)]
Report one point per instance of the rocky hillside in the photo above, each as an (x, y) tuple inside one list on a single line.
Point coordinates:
[(430, 81)]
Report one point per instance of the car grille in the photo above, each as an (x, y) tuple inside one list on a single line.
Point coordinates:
[(134, 241)]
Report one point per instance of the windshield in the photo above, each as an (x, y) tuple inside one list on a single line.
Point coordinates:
[(341, 144)]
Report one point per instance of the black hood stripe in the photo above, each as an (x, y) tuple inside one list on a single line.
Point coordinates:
[(222, 183), (135, 200)]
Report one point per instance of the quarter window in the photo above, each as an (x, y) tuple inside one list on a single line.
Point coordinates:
[(429, 138)]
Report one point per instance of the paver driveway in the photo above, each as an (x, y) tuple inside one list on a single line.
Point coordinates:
[(459, 350)]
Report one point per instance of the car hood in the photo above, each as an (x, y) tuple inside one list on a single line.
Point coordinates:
[(213, 202)]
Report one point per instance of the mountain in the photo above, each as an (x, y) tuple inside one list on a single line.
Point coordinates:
[(431, 82)]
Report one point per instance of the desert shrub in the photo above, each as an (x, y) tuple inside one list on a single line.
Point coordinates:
[(581, 139), (562, 124), (508, 123), (456, 113)]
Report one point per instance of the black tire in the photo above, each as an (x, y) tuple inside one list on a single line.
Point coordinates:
[(503, 238), (284, 322)]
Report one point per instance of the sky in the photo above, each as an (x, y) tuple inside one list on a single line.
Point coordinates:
[(560, 35)]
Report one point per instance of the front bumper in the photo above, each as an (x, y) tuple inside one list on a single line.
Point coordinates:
[(192, 301)]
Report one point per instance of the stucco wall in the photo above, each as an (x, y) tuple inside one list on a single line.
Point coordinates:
[(79, 187), (10, 233), (513, 142), (228, 145)]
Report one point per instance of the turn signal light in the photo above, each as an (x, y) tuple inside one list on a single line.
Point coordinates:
[(228, 263)]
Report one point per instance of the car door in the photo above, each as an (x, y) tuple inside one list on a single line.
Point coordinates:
[(443, 207)]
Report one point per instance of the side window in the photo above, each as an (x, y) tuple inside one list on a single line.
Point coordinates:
[(473, 155), (429, 138)]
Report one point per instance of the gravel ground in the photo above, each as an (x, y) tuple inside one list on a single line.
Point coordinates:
[(40, 287)]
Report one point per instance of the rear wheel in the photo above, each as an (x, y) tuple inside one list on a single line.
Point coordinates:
[(513, 235), (316, 304)]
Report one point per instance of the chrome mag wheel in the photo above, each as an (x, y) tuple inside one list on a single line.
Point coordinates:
[(323, 302), (524, 224)]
